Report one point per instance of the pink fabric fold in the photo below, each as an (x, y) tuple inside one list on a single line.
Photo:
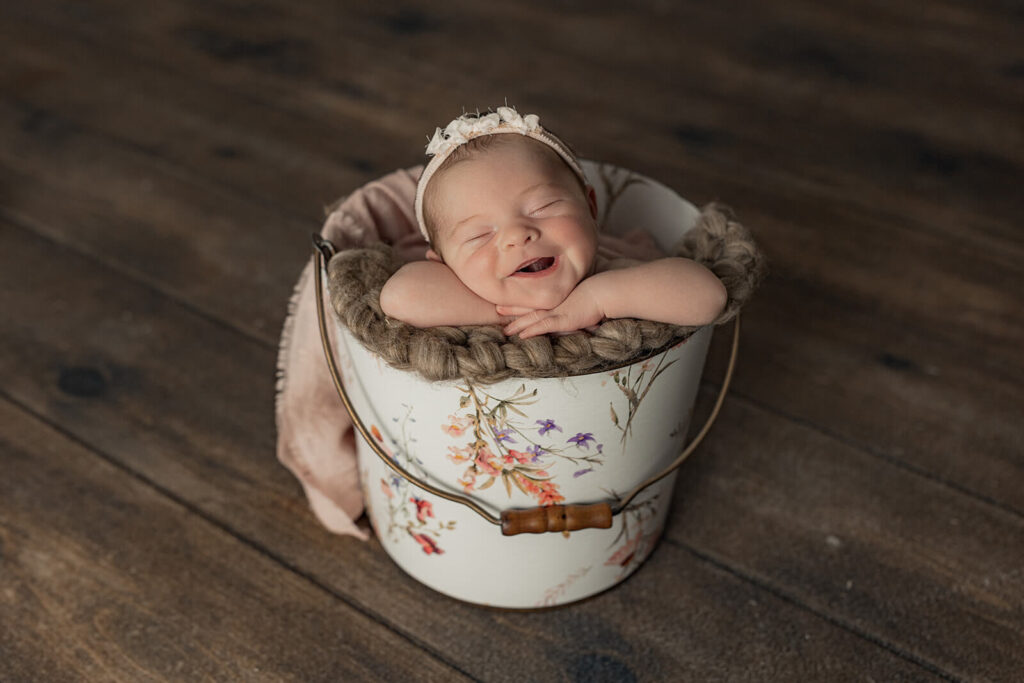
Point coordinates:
[(315, 436)]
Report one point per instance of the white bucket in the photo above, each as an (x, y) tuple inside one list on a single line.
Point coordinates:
[(523, 443)]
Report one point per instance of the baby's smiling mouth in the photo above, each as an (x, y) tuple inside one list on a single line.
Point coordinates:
[(536, 265)]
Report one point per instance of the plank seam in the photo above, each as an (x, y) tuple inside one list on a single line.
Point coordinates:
[(762, 584), (858, 446), (198, 512), (822, 192), (34, 228)]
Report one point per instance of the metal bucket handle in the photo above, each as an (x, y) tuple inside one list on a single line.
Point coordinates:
[(531, 520)]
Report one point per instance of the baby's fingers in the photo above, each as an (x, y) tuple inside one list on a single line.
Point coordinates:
[(523, 322), (547, 324), (513, 310)]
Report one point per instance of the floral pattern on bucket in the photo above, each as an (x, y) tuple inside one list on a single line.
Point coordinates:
[(637, 537), (505, 444), (555, 594), (635, 387), (408, 513)]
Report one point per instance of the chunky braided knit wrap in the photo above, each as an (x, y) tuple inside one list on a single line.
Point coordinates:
[(485, 355)]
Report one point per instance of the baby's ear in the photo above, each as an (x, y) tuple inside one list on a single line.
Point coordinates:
[(592, 200), (434, 256)]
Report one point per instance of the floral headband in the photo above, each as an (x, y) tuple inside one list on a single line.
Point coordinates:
[(469, 126)]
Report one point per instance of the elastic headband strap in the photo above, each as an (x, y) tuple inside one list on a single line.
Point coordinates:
[(467, 127)]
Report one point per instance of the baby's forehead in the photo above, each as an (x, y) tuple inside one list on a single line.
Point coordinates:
[(542, 158)]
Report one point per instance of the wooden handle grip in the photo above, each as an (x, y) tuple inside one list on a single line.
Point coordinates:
[(556, 518)]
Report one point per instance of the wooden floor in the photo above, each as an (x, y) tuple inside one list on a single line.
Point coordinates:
[(856, 514)]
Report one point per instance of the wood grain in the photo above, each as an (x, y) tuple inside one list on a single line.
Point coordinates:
[(858, 510), (847, 535), (106, 578)]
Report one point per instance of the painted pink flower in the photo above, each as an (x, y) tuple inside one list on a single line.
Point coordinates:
[(546, 492), (424, 508), (456, 426), (428, 544), (623, 555), (549, 494), (486, 462), (468, 479), (377, 435), (639, 545), (520, 456), (458, 455), (386, 489)]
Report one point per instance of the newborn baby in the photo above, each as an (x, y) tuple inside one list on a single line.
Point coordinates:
[(512, 228)]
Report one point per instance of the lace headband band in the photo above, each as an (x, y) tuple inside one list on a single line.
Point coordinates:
[(469, 126)]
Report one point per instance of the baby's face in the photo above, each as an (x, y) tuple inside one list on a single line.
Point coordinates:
[(514, 224)]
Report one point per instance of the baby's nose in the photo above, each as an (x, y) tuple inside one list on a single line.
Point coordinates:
[(518, 234)]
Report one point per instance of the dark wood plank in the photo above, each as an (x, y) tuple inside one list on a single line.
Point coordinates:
[(269, 156), (797, 65), (875, 145), (940, 409), (822, 274), (105, 578), (864, 543), (185, 402)]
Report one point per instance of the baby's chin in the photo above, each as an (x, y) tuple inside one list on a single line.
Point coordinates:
[(538, 301)]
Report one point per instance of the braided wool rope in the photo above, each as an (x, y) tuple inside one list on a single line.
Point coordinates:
[(483, 354)]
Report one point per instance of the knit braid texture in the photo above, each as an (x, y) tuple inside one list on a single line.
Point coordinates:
[(484, 355)]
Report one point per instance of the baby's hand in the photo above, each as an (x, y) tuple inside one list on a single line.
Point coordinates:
[(580, 309), (512, 312)]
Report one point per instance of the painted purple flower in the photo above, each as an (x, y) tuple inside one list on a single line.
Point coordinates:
[(582, 440), (580, 473), (504, 435), (546, 426), (536, 451)]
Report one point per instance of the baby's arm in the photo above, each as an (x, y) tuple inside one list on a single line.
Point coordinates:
[(669, 290), (427, 293)]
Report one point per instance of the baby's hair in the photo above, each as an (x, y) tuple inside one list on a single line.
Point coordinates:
[(468, 150)]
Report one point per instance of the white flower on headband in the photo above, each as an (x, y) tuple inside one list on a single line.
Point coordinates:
[(466, 127)]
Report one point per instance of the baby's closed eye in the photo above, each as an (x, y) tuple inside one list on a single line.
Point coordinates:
[(545, 205), (476, 237)]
